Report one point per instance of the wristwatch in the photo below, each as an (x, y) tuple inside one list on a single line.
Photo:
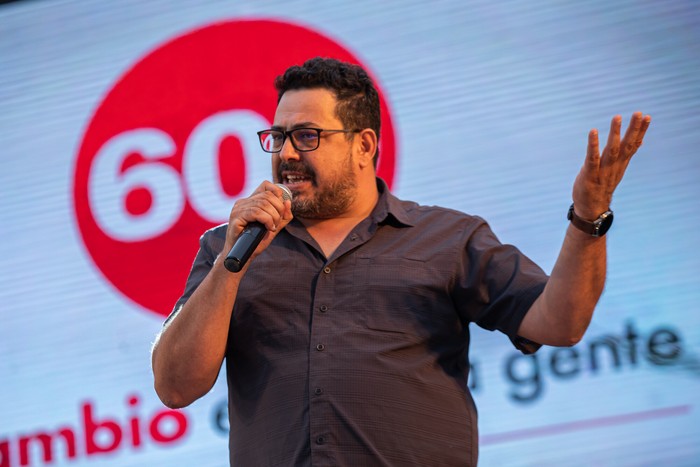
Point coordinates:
[(597, 228)]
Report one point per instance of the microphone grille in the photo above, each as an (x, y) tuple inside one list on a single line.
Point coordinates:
[(287, 195)]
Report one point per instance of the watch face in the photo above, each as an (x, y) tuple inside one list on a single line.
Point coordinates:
[(603, 223), (597, 228)]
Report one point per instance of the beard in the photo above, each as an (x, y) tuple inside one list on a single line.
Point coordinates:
[(327, 201)]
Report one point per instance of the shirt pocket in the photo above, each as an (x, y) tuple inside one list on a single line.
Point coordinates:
[(269, 301), (403, 295)]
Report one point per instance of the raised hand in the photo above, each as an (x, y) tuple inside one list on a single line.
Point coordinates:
[(601, 173)]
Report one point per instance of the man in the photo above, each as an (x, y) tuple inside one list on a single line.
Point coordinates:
[(346, 334)]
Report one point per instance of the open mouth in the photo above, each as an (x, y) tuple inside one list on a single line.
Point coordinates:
[(295, 179)]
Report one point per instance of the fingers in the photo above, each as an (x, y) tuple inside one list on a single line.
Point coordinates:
[(593, 151), (265, 206), (624, 149), (286, 204), (269, 186), (634, 136), (646, 120), (629, 142), (613, 146)]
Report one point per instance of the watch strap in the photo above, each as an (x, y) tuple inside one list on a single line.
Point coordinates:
[(597, 228)]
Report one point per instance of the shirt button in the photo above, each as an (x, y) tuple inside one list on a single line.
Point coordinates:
[(320, 347), (324, 308), (320, 440), (353, 237), (327, 269), (318, 391)]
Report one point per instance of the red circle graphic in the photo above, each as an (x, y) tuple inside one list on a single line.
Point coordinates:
[(139, 205)]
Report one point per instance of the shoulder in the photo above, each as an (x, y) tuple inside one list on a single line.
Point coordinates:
[(214, 238), (218, 231), (411, 213), (420, 215)]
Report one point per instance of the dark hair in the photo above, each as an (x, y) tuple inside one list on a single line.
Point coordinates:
[(358, 100)]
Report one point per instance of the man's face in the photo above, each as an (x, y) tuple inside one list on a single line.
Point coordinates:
[(323, 181)]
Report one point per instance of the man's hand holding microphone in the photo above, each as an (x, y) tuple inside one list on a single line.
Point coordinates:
[(254, 222)]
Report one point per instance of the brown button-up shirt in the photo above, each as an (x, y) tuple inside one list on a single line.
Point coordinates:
[(362, 358)]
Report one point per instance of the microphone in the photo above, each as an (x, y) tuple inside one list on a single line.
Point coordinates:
[(249, 239)]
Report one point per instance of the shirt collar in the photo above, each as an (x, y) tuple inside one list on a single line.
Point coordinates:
[(389, 209)]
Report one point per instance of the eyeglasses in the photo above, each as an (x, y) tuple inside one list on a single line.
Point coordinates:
[(303, 139)]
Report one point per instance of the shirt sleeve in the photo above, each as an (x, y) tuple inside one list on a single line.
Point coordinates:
[(210, 245), (499, 285)]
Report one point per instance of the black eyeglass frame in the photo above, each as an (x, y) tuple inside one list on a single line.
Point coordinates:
[(288, 134)]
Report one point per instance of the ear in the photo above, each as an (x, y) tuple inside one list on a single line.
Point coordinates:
[(367, 147)]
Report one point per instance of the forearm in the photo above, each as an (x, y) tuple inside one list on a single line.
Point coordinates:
[(562, 313), (188, 354)]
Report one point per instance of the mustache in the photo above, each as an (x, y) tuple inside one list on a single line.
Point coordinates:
[(295, 166)]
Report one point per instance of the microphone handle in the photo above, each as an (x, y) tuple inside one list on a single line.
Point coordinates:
[(245, 245)]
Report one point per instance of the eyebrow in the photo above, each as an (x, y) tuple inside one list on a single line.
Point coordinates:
[(295, 126)]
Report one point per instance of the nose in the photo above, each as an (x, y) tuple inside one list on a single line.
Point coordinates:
[(288, 152)]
